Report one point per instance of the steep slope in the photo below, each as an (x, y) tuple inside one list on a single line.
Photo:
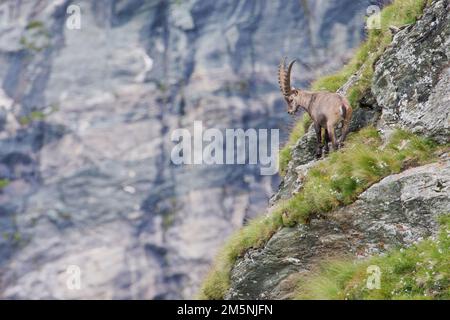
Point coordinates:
[(85, 123), (385, 189), (400, 210)]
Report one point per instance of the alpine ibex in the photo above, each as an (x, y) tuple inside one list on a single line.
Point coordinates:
[(326, 109)]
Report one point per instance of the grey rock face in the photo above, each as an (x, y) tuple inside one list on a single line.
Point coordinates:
[(411, 81), (398, 211), (303, 154), (86, 117)]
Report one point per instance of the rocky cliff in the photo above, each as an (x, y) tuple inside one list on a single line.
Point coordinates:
[(408, 90), (85, 122)]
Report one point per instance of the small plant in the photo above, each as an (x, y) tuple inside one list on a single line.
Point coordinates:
[(33, 116), (4, 183), (35, 24), (36, 36), (16, 238), (168, 220)]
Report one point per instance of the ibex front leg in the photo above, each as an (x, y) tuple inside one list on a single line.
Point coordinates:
[(318, 130)]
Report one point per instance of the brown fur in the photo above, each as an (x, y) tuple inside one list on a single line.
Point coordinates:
[(326, 110)]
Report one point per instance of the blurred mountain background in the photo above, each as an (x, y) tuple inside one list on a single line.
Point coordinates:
[(85, 122)]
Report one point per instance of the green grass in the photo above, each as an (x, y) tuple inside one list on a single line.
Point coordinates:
[(3, 183), (35, 24), (421, 271), (36, 30), (168, 220), (14, 237), (33, 116), (335, 181), (399, 13)]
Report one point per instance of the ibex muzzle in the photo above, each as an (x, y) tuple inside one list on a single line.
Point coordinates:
[(326, 109)]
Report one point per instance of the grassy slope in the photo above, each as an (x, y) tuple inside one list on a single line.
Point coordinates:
[(400, 13), (341, 177), (335, 181), (419, 272)]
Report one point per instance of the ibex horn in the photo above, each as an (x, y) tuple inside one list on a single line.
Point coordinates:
[(284, 77)]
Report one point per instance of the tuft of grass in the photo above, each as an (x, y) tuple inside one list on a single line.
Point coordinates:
[(4, 183), (37, 37), (297, 132), (399, 13), (332, 276), (168, 220), (421, 271), (33, 116), (17, 237), (35, 24), (335, 181)]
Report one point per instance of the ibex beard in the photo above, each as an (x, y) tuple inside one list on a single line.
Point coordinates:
[(326, 109), (252, 146)]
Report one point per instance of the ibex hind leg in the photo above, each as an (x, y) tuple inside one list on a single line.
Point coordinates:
[(342, 136), (318, 130), (345, 129), (326, 142), (332, 134)]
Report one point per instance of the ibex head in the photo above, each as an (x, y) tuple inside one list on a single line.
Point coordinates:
[(284, 79)]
